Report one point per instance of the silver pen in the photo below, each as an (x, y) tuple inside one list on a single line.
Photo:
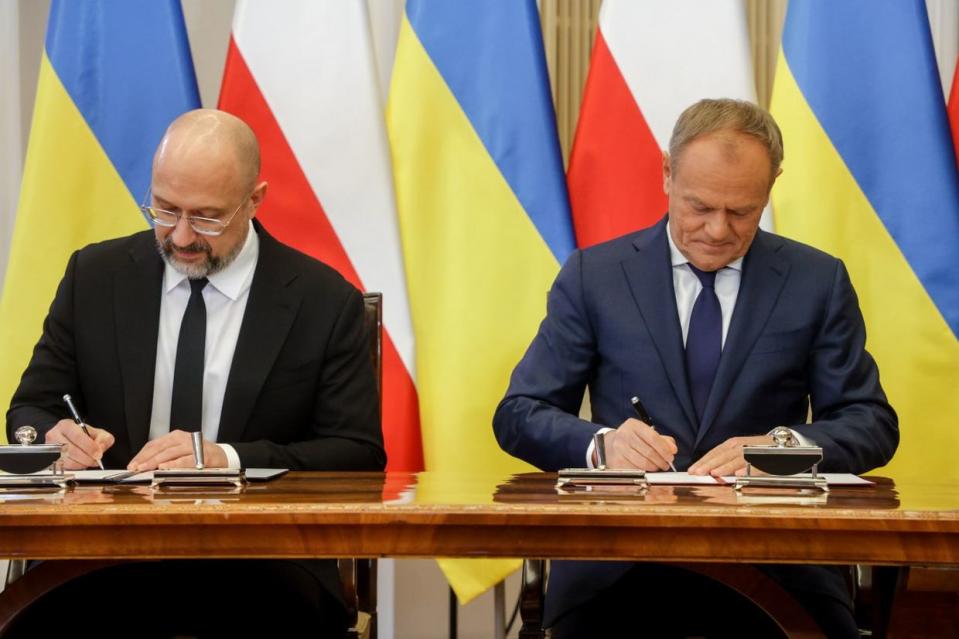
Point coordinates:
[(76, 418)]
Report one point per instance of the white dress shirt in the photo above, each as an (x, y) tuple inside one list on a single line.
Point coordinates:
[(687, 287), (225, 297)]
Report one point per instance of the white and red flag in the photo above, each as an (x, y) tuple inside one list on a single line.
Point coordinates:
[(650, 61), (305, 78)]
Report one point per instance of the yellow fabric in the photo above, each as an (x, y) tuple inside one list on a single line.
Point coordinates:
[(71, 196), (817, 201), (478, 273)]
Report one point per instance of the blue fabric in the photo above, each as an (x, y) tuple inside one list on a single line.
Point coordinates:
[(127, 66), (704, 340), (491, 57), (868, 71), (796, 333)]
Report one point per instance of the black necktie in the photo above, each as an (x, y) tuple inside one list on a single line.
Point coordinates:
[(186, 409), (704, 340)]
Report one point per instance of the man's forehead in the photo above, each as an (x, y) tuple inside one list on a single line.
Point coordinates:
[(727, 143)]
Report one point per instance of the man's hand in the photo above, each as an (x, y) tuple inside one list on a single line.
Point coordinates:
[(637, 445), (80, 450), (175, 450), (727, 458)]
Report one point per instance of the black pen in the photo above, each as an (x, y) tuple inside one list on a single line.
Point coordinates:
[(76, 418), (644, 416)]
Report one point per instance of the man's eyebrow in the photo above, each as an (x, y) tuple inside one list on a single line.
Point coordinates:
[(211, 209)]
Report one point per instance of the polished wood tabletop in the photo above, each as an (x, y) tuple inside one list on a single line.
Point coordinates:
[(459, 515)]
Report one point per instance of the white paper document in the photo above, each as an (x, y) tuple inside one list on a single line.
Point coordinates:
[(96, 476), (685, 479)]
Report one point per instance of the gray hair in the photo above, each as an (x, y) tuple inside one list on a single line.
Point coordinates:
[(709, 116)]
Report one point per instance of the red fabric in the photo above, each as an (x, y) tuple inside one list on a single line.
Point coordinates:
[(615, 168), (954, 111), (292, 213)]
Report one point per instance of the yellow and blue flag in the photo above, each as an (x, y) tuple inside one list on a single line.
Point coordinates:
[(113, 75), (870, 177), (484, 220)]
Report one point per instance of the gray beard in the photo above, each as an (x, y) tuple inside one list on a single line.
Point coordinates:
[(206, 268)]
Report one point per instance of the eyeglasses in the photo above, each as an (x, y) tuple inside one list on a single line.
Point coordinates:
[(202, 225)]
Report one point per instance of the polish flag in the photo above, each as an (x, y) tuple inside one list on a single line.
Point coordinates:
[(650, 61), (304, 76)]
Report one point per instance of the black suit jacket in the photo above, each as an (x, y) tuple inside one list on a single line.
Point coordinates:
[(301, 392), (796, 340)]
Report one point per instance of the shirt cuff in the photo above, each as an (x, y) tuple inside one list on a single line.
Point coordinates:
[(589, 449), (232, 457)]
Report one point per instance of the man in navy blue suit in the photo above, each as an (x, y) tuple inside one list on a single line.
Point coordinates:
[(723, 331)]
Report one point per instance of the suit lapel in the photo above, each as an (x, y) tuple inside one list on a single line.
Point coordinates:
[(650, 278), (136, 304), (270, 311), (763, 276)]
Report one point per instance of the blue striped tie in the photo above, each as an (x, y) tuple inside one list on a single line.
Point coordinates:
[(704, 340)]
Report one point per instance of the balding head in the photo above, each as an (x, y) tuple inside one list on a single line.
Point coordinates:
[(212, 140), (205, 169)]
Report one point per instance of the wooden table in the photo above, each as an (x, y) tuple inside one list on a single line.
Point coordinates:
[(427, 515), (449, 515)]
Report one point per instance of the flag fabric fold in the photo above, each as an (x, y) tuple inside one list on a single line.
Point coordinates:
[(639, 81), (112, 77), (484, 222), (305, 80), (873, 180), (953, 109)]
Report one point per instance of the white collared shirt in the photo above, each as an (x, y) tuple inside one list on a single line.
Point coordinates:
[(687, 287), (225, 297)]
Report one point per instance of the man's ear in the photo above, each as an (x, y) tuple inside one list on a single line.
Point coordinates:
[(772, 182), (258, 195), (667, 172)]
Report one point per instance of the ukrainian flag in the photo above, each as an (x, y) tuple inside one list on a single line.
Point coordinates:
[(484, 220), (112, 77), (870, 177)]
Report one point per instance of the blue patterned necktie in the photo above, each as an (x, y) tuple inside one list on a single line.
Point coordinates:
[(704, 340)]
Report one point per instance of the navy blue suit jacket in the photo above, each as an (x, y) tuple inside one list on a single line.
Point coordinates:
[(796, 336)]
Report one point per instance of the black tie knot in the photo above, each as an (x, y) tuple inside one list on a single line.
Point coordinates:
[(196, 286), (706, 278)]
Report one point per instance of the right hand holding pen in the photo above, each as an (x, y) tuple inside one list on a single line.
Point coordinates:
[(81, 450), (637, 445)]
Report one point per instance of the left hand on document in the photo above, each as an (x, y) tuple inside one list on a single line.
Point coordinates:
[(175, 450), (727, 458)]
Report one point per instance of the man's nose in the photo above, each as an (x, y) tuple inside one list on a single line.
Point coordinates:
[(183, 234), (717, 226)]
